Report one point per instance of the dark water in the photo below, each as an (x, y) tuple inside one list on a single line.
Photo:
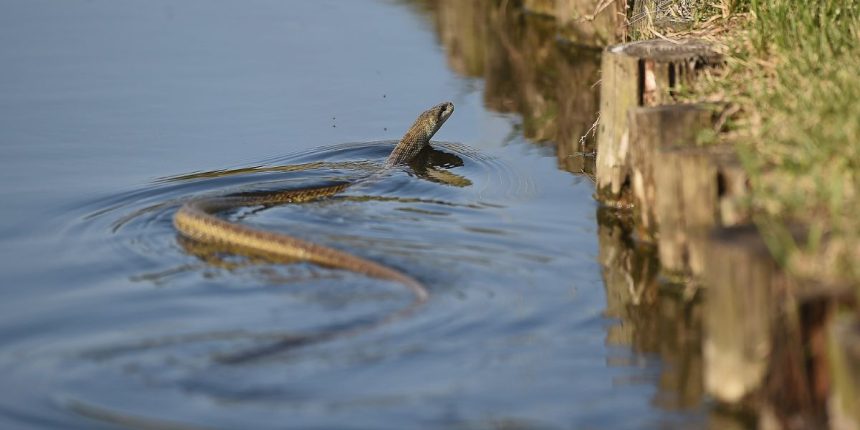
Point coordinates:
[(113, 112)]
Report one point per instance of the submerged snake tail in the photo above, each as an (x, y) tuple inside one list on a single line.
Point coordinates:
[(196, 224)]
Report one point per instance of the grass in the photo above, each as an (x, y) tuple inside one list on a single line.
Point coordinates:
[(792, 71)]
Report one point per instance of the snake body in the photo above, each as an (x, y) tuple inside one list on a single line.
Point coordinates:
[(197, 219)]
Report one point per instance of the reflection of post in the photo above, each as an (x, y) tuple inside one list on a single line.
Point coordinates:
[(629, 274), (462, 30), (592, 22), (654, 319), (584, 22), (550, 84), (500, 86), (578, 102), (766, 334), (526, 69), (637, 74), (744, 288), (528, 44), (676, 332), (543, 7)]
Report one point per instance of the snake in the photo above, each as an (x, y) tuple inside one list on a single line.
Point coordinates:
[(199, 221)]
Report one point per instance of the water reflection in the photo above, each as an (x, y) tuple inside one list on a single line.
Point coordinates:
[(653, 317), (531, 66), (107, 317), (430, 164), (527, 68)]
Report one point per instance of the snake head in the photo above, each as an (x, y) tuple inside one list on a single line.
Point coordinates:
[(432, 119), (418, 136)]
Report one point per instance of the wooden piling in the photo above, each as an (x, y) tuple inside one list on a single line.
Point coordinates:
[(797, 383), (844, 361), (767, 343), (619, 91), (634, 74), (765, 333), (744, 290), (773, 344), (695, 189), (653, 128)]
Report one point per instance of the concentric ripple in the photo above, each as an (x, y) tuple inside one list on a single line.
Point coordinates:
[(392, 216), (173, 315)]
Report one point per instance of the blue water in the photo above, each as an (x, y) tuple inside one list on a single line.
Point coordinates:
[(108, 109)]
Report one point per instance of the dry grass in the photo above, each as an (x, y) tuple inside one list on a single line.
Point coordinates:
[(792, 75)]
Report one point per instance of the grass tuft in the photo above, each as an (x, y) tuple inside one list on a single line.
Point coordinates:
[(792, 70)]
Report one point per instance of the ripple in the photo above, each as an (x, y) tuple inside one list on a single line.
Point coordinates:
[(170, 318), (402, 217)]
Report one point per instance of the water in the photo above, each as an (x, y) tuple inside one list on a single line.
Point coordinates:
[(114, 112)]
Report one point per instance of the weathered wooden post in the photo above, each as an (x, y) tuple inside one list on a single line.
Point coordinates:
[(765, 333), (744, 286), (653, 128), (771, 344), (634, 74), (696, 189), (844, 361)]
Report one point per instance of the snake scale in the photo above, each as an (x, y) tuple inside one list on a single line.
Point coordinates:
[(197, 220)]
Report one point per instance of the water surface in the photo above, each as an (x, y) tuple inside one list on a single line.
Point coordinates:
[(114, 112)]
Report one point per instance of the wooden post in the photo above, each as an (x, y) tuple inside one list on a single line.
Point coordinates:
[(844, 360), (642, 18), (694, 187), (634, 74), (795, 395), (744, 292), (733, 188), (619, 90), (772, 343), (652, 128)]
